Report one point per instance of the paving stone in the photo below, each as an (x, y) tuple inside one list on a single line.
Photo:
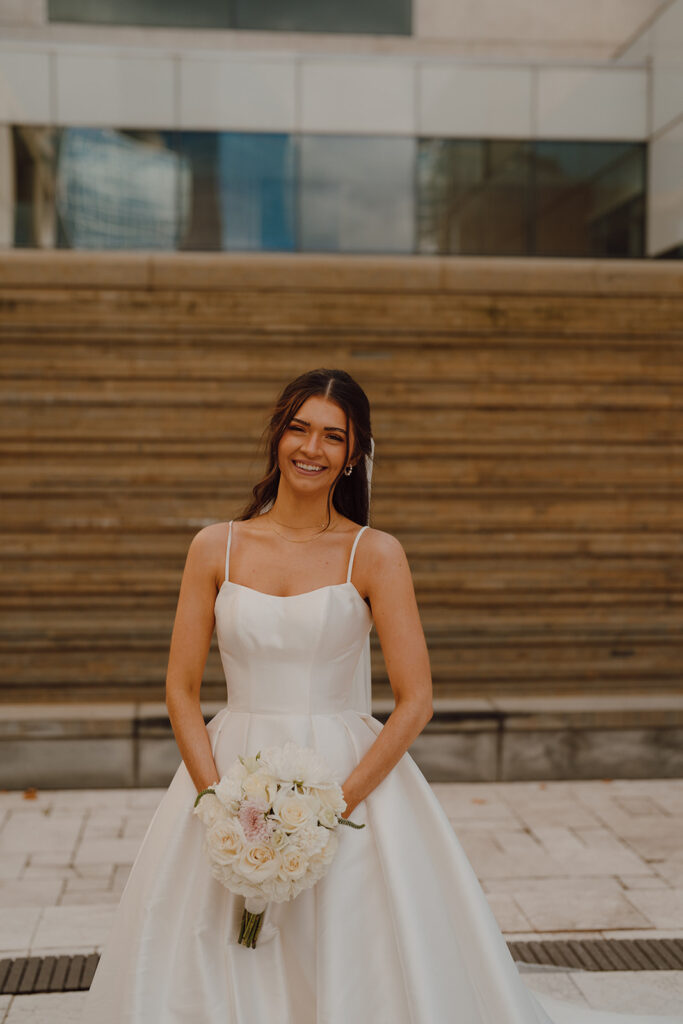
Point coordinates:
[(671, 871), (25, 830), (554, 983), (17, 925), (104, 826), (643, 881), (658, 840), (144, 798), (590, 852), (663, 908), (91, 799), (80, 899), (46, 872), (49, 859), (507, 913), (102, 871), (72, 926), (77, 884), (12, 865), (42, 1008), (471, 805), (135, 826), (639, 806), (107, 851), (632, 991), (592, 909), (568, 886), (32, 892)]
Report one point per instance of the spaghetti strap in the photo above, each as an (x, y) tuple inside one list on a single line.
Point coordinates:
[(227, 552), (353, 552)]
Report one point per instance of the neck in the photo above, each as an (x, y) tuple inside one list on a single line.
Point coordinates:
[(295, 511)]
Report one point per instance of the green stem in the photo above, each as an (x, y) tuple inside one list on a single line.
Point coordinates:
[(200, 795), (250, 928)]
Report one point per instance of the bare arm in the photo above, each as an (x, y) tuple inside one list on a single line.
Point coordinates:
[(397, 620), (190, 641)]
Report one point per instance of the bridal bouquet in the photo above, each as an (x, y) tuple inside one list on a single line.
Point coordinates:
[(270, 828)]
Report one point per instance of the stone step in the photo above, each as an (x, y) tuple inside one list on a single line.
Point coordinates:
[(505, 739)]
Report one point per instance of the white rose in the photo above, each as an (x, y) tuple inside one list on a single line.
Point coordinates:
[(293, 810), (278, 838), (225, 840), (327, 817), (259, 862), (293, 863)]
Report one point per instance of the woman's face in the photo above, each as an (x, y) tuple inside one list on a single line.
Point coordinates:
[(316, 435)]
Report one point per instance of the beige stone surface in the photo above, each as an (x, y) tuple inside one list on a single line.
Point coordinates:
[(555, 859)]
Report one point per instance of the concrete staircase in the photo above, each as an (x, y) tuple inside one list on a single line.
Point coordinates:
[(529, 428)]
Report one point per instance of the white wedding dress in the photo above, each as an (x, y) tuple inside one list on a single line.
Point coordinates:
[(398, 931)]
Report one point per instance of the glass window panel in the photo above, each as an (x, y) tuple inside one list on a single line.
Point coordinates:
[(257, 191), (104, 189), (121, 190), (173, 13), (589, 198), (200, 151), (31, 185), (392, 17), (356, 194), (473, 196)]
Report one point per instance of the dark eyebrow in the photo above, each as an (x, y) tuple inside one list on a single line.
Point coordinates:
[(307, 424)]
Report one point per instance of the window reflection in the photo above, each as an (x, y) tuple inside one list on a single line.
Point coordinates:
[(356, 194), (393, 17), (121, 191), (99, 188), (474, 196), (257, 191), (589, 198), (497, 197)]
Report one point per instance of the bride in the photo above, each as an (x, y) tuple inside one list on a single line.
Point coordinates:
[(399, 930)]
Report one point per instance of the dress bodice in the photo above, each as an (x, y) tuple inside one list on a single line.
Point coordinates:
[(295, 654)]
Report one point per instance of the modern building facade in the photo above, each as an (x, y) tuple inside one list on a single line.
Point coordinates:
[(384, 126)]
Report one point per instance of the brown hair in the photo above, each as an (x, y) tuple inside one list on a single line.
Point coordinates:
[(350, 492)]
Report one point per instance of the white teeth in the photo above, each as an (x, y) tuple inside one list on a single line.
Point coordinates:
[(310, 469)]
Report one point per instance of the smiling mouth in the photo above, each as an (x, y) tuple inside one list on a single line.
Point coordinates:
[(309, 472)]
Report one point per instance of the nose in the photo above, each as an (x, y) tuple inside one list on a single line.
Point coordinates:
[(311, 444)]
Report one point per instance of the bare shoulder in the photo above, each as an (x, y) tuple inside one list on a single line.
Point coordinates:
[(207, 548), (210, 537), (383, 552)]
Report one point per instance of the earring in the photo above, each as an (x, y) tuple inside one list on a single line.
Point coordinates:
[(348, 470)]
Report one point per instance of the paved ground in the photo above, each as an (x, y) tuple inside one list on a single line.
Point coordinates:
[(555, 859)]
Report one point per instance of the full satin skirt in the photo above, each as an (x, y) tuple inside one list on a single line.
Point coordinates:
[(398, 931)]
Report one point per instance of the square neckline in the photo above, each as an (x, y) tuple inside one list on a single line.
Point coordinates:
[(284, 597)]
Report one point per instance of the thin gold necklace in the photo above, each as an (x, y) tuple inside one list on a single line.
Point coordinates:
[(308, 539), (274, 520)]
